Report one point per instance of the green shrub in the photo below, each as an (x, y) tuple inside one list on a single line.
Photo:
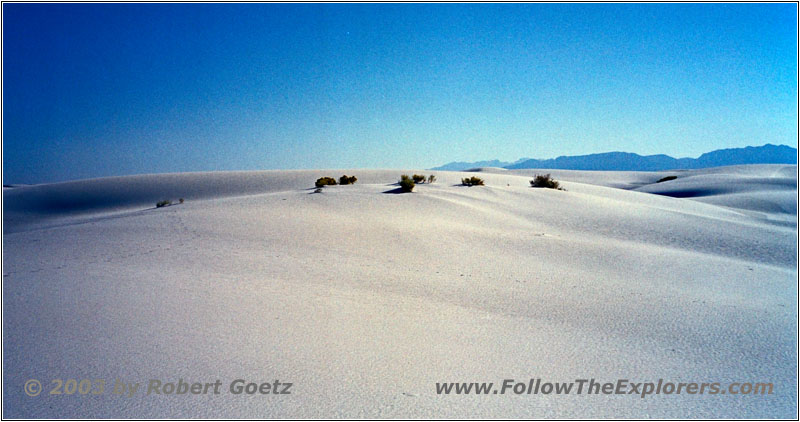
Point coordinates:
[(418, 178), (163, 203), (666, 179), (347, 180), (406, 183), (472, 181), (324, 181), (545, 181), (431, 179)]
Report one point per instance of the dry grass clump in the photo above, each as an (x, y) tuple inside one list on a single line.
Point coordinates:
[(406, 183), (545, 181), (347, 180), (324, 181), (472, 181)]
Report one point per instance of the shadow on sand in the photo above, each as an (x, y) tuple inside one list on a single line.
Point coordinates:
[(395, 191)]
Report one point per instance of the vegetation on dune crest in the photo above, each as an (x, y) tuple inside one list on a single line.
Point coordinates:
[(167, 202), (330, 181), (347, 180), (324, 181), (421, 178), (406, 183), (545, 181), (472, 181)]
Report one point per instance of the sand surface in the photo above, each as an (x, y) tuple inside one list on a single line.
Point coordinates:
[(364, 298)]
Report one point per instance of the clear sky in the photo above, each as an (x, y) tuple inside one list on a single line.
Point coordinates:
[(99, 90)]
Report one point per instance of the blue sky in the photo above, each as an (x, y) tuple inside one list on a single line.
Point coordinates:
[(100, 90)]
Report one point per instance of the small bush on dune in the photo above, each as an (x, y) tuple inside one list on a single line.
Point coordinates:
[(666, 179), (431, 179), (472, 181), (406, 183), (180, 200), (324, 181), (545, 181), (163, 203), (347, 180), (418, 178)]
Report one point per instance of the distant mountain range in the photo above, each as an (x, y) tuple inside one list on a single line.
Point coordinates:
[(626, 161), (461, 165)]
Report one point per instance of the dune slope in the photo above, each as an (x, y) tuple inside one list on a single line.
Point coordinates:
[(364, 298)]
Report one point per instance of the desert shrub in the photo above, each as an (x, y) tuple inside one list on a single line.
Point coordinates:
[(418, 178), (545, 181), (347, 180), (180, 200), (666, 179), (163, 203), (324, 181), (472, 181), (431, 179), (406, 183)]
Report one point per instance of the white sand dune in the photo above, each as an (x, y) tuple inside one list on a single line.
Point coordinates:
[(770, 193), (364, 299)]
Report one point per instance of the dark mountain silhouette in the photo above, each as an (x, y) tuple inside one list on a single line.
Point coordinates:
[(626, 161)]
